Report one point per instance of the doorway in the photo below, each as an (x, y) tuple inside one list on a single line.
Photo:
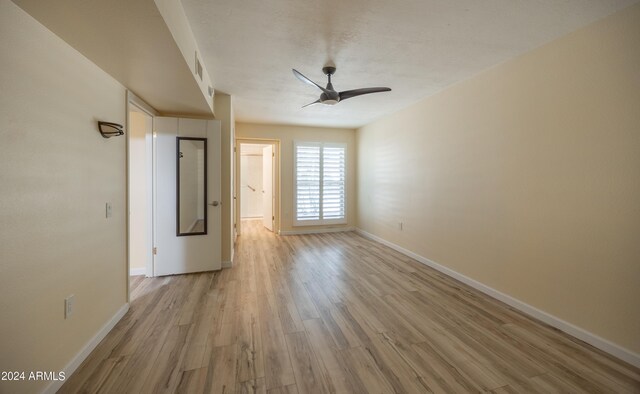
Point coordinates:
[(257, 184), (139, 187)]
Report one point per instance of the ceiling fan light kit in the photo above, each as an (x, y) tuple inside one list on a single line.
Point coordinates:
[(329, 95)]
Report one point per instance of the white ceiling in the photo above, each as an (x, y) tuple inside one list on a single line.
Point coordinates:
[(416, 47)]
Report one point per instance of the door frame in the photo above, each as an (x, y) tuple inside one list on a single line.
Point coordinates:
[(134, 101), (276, 177), (270, 160)]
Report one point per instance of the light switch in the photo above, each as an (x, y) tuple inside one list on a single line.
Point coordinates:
[(108, 210)]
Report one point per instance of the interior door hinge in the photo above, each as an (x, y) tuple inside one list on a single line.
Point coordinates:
[(273, 154), (273, 218), (155, 250)]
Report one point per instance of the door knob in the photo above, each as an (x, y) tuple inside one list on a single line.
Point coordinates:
[(215, 203)]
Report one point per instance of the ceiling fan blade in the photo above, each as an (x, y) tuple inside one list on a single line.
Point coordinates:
[(315, 102), (358, 92), (304, 79)]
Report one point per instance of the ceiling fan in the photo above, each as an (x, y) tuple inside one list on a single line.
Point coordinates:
[(329, 95)]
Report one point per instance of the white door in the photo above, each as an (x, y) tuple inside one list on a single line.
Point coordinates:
[(251, 186), (198, 247), (267, 187)]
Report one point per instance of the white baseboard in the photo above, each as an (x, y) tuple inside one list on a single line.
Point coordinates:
[(137, 271), (317, 231), (86, 350), (575, 331)]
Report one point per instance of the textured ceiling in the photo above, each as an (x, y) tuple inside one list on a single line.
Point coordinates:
[(416, 47)]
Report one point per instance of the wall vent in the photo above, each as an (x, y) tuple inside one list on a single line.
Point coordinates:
[(198, 67)]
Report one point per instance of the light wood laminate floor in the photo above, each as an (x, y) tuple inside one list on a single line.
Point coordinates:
[(334, 313)]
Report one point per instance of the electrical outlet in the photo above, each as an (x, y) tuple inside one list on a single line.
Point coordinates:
[(108, 212), (69, 303)]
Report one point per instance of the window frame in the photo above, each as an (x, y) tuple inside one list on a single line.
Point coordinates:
[(321, 221)]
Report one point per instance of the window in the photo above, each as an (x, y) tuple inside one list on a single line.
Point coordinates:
[(320, 183)]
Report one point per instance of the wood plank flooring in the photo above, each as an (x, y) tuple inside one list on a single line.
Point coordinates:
[(334, 313)]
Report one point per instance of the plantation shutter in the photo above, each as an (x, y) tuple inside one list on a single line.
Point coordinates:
[(307, 182), (333, 182), (320, 183)]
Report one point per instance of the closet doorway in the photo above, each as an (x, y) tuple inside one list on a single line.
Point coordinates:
[(257, 191), (139, 135)]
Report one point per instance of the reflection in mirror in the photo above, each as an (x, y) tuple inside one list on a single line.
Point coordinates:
[(191, 186)]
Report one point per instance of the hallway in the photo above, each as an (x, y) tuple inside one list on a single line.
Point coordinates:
[(333, 313)]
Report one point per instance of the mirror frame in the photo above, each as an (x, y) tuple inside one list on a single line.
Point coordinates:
[(178, 139)]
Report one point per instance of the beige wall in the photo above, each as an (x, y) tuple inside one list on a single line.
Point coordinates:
[(288, 134), (176, 20), (138, 196), (224, 113), (57, 173), (525, 178)]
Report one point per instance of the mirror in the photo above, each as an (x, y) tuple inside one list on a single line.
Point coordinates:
[(191, 186)]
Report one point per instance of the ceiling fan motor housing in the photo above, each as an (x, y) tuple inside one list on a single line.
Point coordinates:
[(328, 70), (330, 98), (329, 95)]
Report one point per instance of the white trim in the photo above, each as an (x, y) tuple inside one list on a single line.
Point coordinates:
[(320, 222), (75, 362), (137, 271), (141, 104), (575, 331), (317, 231)]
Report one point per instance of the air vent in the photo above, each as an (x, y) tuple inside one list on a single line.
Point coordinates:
[(198, 67)]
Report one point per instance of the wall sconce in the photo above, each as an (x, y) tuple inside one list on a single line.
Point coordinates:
[(108, 129)]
